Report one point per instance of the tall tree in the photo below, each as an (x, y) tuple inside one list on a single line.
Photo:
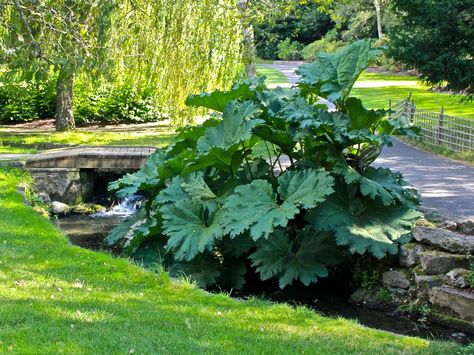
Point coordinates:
[(176, 48), (437, 38), (169, 48), (254, 12), (378, 14), (60, 35)]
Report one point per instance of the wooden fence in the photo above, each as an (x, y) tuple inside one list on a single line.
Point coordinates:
[(451, 132)]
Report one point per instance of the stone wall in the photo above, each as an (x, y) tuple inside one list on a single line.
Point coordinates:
[(437, 270), (69, 186)]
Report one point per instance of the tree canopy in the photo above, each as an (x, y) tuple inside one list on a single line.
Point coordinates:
[(169, 48), (437, 38)]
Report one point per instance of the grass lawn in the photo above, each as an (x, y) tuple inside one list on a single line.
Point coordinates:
[(156, 137), (377, 89), (56, 298), (16, 150), (274, 77)]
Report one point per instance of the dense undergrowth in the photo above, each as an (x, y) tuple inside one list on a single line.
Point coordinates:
[(29, 100), (220, 207)]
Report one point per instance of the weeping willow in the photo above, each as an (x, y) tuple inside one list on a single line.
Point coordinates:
[(175, 48)]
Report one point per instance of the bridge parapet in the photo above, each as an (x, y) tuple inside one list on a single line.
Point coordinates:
[(69, 175), (111, 158)]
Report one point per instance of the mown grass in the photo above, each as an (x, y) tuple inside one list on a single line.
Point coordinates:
[(56, 298), (274, 77), (156, 137), (16, 150), (376, 89)]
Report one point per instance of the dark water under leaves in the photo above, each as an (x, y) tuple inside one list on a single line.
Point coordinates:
[(89, 232)]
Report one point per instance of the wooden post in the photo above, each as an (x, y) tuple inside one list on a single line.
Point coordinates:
[(441, 124), (412, 112)]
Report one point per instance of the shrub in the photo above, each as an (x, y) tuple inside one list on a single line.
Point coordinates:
[(22, 100), (115, 105), (323, 45), (289, 50), (219, 205)]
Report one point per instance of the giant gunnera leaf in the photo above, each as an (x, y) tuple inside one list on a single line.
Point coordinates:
[(364, 225), (303, 257), (191, 227), (217, 100), (238, 120), (332, 75), (257, 208)]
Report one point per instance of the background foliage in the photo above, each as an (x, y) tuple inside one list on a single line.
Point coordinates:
[(436, 37)]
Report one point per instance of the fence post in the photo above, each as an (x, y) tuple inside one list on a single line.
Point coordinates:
[(441, 125), (412, 112), (407, 109)]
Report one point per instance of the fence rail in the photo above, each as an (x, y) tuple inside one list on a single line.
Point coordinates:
[(451, 132)]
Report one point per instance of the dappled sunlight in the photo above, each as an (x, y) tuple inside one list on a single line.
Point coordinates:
[(443, 184)]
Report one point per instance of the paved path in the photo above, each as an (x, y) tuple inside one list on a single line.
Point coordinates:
[(444, 184)]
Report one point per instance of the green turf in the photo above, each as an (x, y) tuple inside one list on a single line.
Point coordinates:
[(16, 150), (156, 137), (56, 298), (386, 88), (274, 77), (396, 88)]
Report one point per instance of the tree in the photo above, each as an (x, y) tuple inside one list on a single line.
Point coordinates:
[(252, 13), (176, 48), (59, 35), (171, 49), (436, 38), (378, 12)]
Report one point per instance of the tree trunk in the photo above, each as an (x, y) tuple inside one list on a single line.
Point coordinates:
[(64, 101), (378, 12), (249, 52)]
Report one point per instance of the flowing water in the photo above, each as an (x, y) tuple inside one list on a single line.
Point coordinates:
[(90, 231)]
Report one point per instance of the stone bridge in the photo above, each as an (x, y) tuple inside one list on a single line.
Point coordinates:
[(111, 158), (78, 174)]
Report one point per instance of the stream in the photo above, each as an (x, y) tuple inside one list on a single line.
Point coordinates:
[(89, 231)]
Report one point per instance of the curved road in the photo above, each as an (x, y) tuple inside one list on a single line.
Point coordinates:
[(445, 185)]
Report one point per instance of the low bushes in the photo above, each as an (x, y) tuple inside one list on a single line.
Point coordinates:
[(29, 100), (22, 101)]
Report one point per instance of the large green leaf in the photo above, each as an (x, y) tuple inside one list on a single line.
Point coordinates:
[(376, 183), (195, 185), (255, 206), (191, 228), (332, 75), (305, 188), (361, 118), (218, 100), (275, 136), (303, 257), (238, 120), (363, 224), (378, 230)]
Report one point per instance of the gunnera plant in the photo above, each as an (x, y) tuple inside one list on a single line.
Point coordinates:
[(273, 182)]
